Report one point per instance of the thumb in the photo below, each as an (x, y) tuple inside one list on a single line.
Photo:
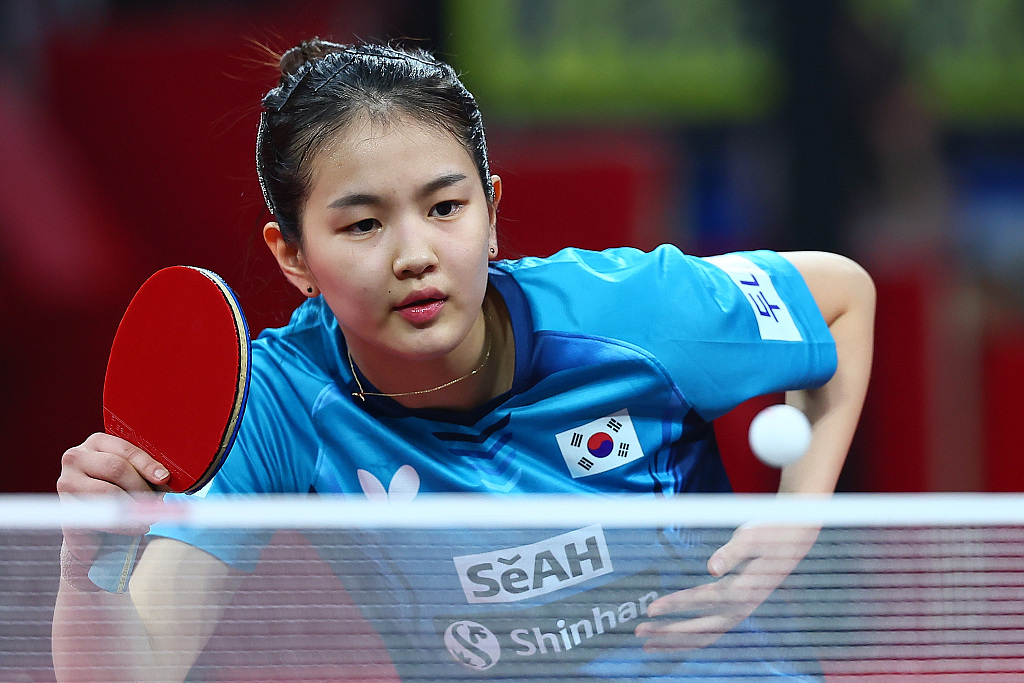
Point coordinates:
[(727, 558)]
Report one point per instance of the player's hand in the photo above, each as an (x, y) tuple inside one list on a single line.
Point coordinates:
[(107, 465), (748, 568)]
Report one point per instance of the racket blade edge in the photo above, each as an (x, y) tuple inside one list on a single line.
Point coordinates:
[(241, 388)]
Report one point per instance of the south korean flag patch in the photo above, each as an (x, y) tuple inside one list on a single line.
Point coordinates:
[(599, 446)]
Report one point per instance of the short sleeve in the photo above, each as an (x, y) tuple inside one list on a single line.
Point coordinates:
[(272, 453), (757, 330), (725, 328)]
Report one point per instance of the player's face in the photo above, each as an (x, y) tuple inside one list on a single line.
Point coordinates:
[(397, 233)]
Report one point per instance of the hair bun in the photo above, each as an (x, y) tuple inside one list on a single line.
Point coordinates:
[(305, 52)]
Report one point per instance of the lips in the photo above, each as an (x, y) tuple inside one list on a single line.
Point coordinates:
[(422, 306)]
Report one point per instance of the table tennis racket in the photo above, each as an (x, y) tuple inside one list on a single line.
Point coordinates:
[(178, 373), (176, 384)]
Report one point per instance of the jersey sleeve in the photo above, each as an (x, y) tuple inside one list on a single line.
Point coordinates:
[(265, 458), (725, 328), (762, 332)]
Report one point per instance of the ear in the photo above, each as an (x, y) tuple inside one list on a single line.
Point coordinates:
[(290, 260), (492, 216)]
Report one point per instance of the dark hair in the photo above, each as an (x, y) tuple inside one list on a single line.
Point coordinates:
[(325, 85)]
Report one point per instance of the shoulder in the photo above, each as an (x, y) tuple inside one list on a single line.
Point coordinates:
[(578, 280), (662, 285), (627, 267), (305, 321), (292, 366), (609, 265), (300, 344)]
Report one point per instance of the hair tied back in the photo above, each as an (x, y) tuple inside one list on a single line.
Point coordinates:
[(305, 52)]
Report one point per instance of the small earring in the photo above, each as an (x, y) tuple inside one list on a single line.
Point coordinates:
[(493, 250), (309, 289)]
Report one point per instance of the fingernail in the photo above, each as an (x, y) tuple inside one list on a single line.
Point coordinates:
[(716, 567), (160, 473)]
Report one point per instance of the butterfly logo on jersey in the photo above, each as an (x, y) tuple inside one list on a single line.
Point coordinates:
[(403, 487), (600, 445)]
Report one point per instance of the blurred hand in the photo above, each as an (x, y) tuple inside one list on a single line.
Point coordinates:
[(749, 567), (107, 465)]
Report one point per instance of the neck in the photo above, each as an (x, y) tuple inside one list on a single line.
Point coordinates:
[(484, 370)]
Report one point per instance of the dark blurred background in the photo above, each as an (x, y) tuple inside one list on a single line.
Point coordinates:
[(887, 130)]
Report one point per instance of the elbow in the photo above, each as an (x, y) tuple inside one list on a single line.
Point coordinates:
[(839, 284), (865, 295), (861, 286)]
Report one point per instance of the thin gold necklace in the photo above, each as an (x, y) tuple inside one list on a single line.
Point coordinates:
[(363, 394)]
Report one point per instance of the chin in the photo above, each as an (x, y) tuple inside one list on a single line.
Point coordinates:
[(423, 349)]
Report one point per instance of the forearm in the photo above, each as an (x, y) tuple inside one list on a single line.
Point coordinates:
[(835, 408), (98, 636), (155, 631)]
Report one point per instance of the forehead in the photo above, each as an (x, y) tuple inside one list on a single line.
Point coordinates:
[(369, 150)]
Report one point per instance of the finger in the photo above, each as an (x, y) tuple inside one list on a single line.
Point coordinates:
[(688, 634), (116, 470), (75, 481), (109, 460), (691, 600), (736, 593), (725, 559), (145, 464), (149, 508), (760, 577), (151, 469), (76, 526), (740, 548)]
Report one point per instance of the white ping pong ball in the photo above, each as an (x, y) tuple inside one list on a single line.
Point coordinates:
[(779, 435)]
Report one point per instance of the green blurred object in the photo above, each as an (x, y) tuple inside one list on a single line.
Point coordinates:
[(966, 57), (551, 60)]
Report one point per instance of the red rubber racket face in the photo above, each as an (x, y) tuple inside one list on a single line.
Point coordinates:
[(178, 373)]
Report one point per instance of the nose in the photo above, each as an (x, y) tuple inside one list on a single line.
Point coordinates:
[(414, 251)]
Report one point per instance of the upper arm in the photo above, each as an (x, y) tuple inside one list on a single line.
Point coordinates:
[(754, 327), (180, 593), (845, 296), (838, 284)]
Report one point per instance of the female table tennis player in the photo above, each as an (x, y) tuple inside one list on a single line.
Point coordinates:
[(422, 362)]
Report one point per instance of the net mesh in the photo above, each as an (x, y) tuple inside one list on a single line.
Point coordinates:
[(893, 588)]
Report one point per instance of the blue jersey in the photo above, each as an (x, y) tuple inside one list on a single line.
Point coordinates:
[(623, 358)]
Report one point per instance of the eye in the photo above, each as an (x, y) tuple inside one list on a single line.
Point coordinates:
[(445, 209), (362, 227)]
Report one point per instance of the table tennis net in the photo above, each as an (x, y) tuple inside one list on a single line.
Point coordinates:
[(917, 588)]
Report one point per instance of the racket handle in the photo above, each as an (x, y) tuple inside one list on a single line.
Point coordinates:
[(114, 562)]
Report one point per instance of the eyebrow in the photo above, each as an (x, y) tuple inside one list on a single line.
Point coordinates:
[(444, 181), (367, 199)]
